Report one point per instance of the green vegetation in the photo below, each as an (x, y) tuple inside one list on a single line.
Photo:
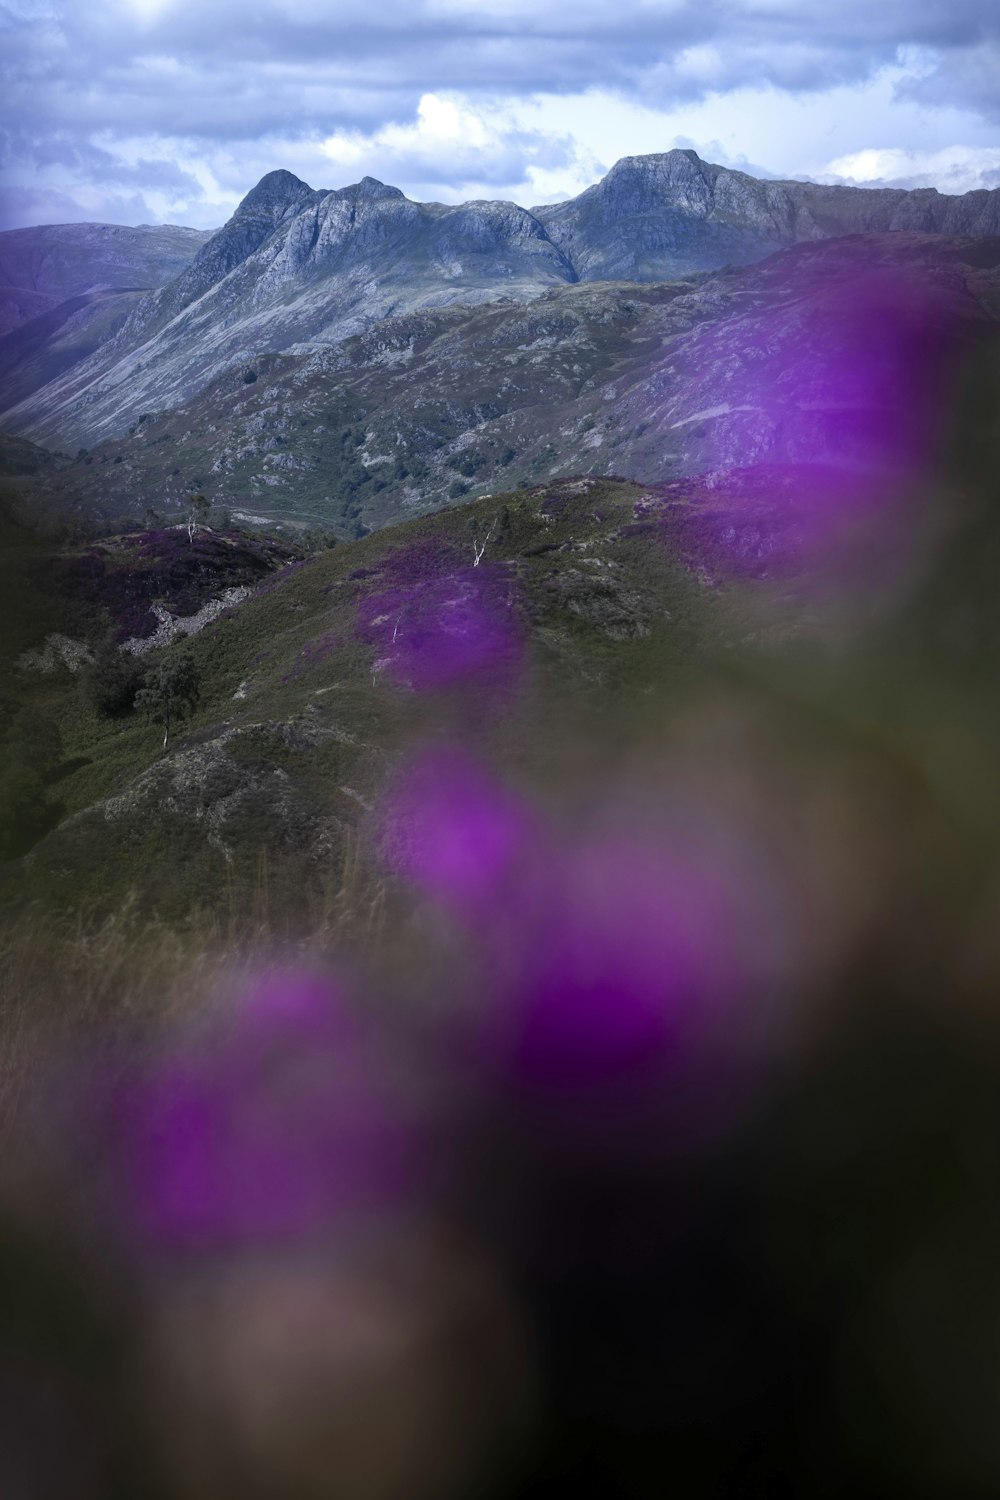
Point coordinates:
[(293, 723), (113, 680)]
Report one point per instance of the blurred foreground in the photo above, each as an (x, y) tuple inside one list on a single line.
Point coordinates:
[(630, 1124)]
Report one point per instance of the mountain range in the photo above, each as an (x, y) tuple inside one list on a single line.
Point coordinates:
[(153, 321)]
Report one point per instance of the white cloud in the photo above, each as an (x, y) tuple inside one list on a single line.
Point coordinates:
[(953, 169), (768, 131), (456, 148)]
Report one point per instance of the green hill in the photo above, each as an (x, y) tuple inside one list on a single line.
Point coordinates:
[(310, 683)]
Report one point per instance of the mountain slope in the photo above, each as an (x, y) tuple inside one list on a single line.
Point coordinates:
[(295, 268), (39, 268), (310, 684), (671, 214)]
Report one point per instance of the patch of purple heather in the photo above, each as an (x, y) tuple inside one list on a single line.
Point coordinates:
[(853, 408), (639, 963), (614, 964)]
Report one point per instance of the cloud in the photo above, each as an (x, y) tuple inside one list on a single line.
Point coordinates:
[(227, 89), (955, 169), (971, 74), (455, 150), (229, 71), (21, 207)]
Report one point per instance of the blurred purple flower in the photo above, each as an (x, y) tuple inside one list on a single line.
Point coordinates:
[(612, 960), (842, 384), (447, 631), (279, 1124), (452, 830), (640, 961)]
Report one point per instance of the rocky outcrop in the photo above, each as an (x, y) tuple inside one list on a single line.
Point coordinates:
[(825, 352), (295, 269)]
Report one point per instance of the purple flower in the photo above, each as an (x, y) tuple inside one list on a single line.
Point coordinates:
[(451, 830), (444, 632), (280, 1123), (842, 384)]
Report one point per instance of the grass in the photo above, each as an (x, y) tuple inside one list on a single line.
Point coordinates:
[(69, 978)]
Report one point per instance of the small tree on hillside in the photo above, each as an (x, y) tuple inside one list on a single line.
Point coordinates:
[(481, 535), (170, 690), (197, 514), (30, 754)]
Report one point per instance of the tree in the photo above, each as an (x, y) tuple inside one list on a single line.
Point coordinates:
[(480, 537), (170, 690), (197, 515), (25, 810), (35, 740), (30, 754)]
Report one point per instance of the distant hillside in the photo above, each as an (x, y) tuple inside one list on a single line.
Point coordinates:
[(39, 268), (672, 213), (585, 594)]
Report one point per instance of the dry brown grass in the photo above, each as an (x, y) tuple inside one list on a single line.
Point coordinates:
[(64, 978)]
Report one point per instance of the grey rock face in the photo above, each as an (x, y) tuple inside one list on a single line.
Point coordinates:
[(295, 269), (839, 352)]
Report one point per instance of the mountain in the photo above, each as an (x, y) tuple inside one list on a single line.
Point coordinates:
[(66, 290), (820, 353), (40, 268), (670, 214), (299, 270), (293, 268)]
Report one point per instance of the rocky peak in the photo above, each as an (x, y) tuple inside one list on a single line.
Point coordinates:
[(371, 188), (640, 184), (278, 196), (275, 190)]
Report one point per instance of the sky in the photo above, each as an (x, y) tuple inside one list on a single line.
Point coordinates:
[(169, 111)]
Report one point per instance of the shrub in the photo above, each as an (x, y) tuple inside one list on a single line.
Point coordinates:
[(113, 681)]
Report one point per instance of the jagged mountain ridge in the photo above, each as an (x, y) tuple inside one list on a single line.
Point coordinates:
[(671, 213), (297, 269)]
